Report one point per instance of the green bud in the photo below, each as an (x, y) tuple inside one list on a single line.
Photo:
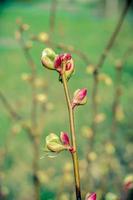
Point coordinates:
[(53, 143), (48, 57)]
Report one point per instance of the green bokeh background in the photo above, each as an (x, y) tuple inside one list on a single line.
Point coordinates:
[(84, 26)]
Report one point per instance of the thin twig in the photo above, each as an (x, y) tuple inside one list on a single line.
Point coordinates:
[(9, 107), (14, 115), (52, 15), (101, 62), (34, 127), (113, 36), (118, 87), (32, 65)]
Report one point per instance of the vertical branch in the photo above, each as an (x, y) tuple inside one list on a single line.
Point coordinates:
[(101, 62), (114, 35), (36, 168), (52, 15), (73, 138), (36, 136), (32, 65), (117, 94), (118, 87)]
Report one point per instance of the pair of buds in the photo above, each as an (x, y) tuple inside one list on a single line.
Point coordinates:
[(56, 144)]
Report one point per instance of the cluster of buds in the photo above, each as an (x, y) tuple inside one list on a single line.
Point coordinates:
[(62, 63), (21, 28), (18, 34), (56, 144)]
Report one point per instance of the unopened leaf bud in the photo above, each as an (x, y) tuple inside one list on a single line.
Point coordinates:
[(128, 182), (91, 196), (64, 138), (54, 144), (80, 97), (60, 61), (48, 57), (43, 37), (28, 45)]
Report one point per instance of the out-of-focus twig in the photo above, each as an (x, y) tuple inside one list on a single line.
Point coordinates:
[(32, 65), (14, 115), (52, 15), (9, 107), (119, 64), (34, 124), (112, 39), (101, 61)]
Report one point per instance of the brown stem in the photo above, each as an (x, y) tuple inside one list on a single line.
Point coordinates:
[(9, 107), (12, 112), (35, 169), (94, 105), (52, 15), (35, 135), (73, 138), (118, 87), (114, 35), (32, 65), (117, 95), (102, 60)]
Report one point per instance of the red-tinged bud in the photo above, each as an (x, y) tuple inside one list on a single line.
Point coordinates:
[(128, 182), (71, 149), (64, 138), (91, 196), (64, 59), (66, 142), (80, 97), (56, 144)]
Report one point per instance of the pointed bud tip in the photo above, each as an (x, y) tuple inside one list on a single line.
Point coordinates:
[(64, 138)]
